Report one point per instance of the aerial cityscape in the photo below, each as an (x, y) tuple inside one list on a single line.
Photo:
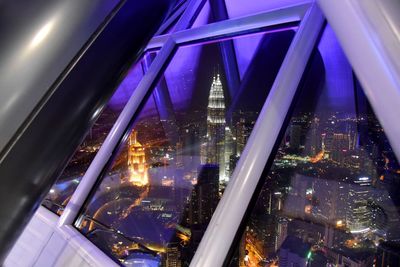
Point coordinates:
[(156, 201), (329, 197), (61, 192)]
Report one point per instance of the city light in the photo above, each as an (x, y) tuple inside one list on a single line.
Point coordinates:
[(360, 231), (339, 223), (137, 165)]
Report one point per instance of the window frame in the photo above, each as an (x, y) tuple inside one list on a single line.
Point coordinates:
[(217, 240), (167, 44)]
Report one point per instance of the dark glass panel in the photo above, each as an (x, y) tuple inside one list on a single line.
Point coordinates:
[(331, 195), (65, 186), (169, 26), (204, 17)]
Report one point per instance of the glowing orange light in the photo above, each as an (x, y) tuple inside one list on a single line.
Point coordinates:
[(307, 209), (137, 162), (317, 157), (185, 239)]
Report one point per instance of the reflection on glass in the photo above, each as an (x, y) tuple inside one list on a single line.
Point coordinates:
[(205, 16), (62, 190), (170, 28), (158, 194), (331, 196)]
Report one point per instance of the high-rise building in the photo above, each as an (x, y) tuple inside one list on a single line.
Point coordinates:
[(340, 145), (281, 232), (179, 155), (137, 162), (173, 255), (216, 127), (359, 212), (243, 127), (295, 136), (314, 141), (240, 135), (229, 150), (205, 196)]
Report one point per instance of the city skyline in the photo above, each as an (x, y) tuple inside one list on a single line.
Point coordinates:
[(167, 183), (331, 190)]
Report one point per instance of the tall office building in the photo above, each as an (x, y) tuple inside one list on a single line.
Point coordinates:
[(314, 141), (359, 212), (137, 162), (340, 145), (229, 150), (295, 136), (205, 196), (281, 232), (216, 127), (173, 255)]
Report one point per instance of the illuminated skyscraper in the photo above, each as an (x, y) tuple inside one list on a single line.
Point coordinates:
[(137, 162), (216, 127), (359, 211), (229, 150), (173, 255)]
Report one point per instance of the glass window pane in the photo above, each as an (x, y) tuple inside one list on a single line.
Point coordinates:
[(170, 23), (158, 194), (62, 190), (244, 50), (331, 195), (171, 27), (204, 17)]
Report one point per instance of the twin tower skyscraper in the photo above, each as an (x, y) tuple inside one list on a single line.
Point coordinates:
[(217, 150)]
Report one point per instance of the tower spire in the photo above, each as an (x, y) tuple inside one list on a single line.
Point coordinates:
[(216, 126)]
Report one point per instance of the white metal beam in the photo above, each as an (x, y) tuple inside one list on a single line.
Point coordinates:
[(226, 27), (232, 26)]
